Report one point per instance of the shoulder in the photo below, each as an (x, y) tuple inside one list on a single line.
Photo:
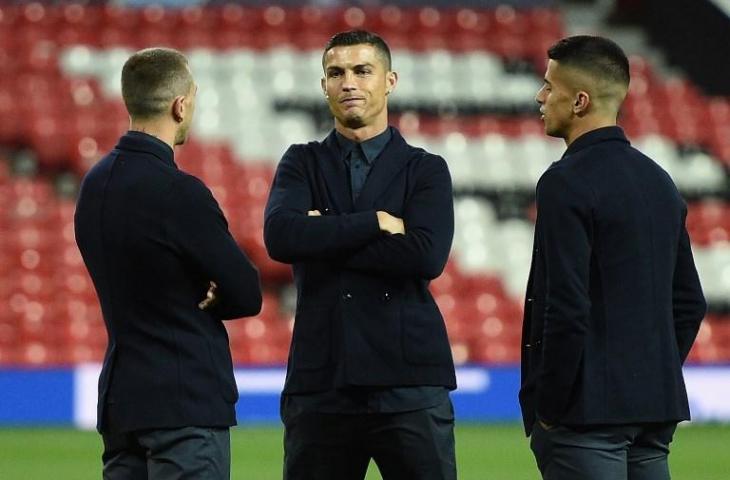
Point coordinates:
[(561, 181), (297, 153), (315, 146), (185, 187)]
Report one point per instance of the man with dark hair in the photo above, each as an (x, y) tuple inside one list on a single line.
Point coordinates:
[(613, 301), (360, 37), (367, 221), (167, 272)]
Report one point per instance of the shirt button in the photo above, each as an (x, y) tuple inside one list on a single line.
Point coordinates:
[(386, 297), (347, 296)]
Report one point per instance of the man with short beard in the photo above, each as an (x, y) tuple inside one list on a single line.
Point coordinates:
[(367, 221), (167, 272)]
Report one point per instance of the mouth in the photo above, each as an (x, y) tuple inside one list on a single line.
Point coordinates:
[(351, 101)]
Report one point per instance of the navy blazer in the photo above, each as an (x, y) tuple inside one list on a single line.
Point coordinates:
[(613, 300), (152, 238), (365, 316)]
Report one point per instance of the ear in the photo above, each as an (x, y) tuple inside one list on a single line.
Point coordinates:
[(391, 78), (323, 84), (178, 108), (581, 103)]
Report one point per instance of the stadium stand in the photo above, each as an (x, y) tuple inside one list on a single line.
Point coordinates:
[(467, 82)]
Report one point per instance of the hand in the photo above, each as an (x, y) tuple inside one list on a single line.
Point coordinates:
[(314, 213), (210, 297), (390, 224)]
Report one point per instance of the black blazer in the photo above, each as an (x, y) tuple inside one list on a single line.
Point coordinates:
[(613, 300), (364, 314), (152, 238)]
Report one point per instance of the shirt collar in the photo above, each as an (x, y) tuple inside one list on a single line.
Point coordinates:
[(372, 147), (596, 136), (144, 142)]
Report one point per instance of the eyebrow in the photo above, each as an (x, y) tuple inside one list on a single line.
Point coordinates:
[(359, 65), (546, 81)]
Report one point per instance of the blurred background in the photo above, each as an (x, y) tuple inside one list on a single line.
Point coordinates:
[(469, 70)]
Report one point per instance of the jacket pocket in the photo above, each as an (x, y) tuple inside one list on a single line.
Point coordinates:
[(312, 338), (425, 341)]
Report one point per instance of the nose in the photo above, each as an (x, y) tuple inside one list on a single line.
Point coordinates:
[(538, 96), (348, 83)]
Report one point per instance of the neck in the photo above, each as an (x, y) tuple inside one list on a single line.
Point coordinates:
[(363, 133), (587, 126), (156, 128)]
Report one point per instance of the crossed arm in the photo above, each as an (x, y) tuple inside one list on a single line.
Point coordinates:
[(199, 231), (370, 241), (386, 222)]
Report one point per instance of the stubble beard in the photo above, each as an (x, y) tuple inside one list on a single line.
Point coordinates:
[(354, 121)]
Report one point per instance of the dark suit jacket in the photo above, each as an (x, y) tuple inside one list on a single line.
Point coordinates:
[(152, 238), (613, 300), (364, 314)]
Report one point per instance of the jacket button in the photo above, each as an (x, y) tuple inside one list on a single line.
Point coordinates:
[(529, 300), (347, 296), (386, 297)]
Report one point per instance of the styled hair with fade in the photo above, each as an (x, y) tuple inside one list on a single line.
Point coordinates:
[(359, 37), (152, 78), (598, 56)]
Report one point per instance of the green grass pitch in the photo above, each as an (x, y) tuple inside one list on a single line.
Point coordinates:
[(485, 452)]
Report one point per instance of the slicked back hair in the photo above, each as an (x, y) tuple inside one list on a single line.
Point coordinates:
[(152, 78), (598, 56), (360, 37)]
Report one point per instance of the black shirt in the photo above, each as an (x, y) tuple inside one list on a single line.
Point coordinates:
[(360, 157)]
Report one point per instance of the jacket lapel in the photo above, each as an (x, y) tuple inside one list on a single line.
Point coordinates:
[(335, 175), (394, 158)]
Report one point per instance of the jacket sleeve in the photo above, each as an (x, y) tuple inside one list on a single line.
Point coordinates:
[(688, 302), (197, 227), (565, 236), (291, 236), (428, 216)]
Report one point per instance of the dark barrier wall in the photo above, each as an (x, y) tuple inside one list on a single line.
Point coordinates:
[(695, 34)]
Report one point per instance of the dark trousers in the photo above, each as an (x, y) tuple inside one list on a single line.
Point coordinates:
[(606, 452), (190, 453), (417, 445)]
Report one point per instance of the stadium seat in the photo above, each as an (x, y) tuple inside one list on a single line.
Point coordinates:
[(467, 82)]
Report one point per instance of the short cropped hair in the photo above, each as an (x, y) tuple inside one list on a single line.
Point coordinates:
[(359, 37), (152, 78), (598, 56)]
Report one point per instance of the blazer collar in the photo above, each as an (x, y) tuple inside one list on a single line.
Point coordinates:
[(596, 136), (393, 158), (142, 142), (334, 171)]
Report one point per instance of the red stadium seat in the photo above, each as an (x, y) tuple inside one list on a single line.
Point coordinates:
[(69, 123)]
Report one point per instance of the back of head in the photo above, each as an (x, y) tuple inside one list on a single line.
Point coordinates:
[(151, 79), (360, 37), (599, 58)]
